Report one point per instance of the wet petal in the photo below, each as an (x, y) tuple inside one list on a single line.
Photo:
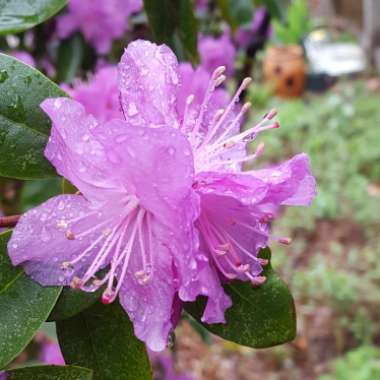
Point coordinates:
[(56, 232), (208, 284), (75, 152), (149, 303), (148, 79), (232, 235), (290, 183), (155, 164)]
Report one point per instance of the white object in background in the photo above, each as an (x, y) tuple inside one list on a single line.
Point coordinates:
[(333, 58)]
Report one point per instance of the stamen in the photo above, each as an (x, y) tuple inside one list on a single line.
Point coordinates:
[(213, 83), (229, 108), (257, 280), (189, 100)]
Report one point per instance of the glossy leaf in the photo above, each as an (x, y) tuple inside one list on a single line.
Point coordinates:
[(24, 306), (173, 23), (50, 372), (72, 302), (24, 127), (19, 15), (260, 317), (70, 56), (101, 338)]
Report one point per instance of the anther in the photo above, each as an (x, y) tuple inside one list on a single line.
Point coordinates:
[(285, 240), (220, 80), (271, 114), (62, 224), (107, 297), (189, 99), (263, 262), (258, 280), (69, 235), (76, 283)]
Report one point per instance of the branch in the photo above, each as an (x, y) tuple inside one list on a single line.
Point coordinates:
[(9, 221)]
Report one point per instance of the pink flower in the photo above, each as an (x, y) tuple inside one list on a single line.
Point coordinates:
[(236, 206), (217, 51), (164, 207), (134, 216), (24, 57), (100, 21), (100, 95), (51, 353)]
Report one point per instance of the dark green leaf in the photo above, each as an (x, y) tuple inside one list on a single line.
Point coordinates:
[(276, 8), (173, 23), (101, 338), (68, 187), (70, 56), (19, 15), (24, 306), (24, 127), (72, 302), (50, 372), (236, 12), (35, 192), (260, 317)]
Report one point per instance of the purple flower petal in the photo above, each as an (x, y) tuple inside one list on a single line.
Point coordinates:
[(290, 183), (148, 81), (100, 21), (56, 232), (76, 153), (100, 95)]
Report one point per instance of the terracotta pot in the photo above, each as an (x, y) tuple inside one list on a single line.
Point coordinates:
[(285, 68)]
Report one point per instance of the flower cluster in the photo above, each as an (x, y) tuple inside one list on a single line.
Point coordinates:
[(100, 21), (164, 212)]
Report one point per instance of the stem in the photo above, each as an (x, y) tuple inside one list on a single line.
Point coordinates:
[(9, 221)]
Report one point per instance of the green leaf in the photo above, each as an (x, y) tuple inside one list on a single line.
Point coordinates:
[(24, 306), (259, 317), (35, 192), (276, 8), (173, 23), (236, 12), (19, 15), (101, 338), (50, 372), (72, 302), (70, 56), (24, 127)]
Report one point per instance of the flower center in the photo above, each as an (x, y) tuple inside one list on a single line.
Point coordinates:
[(111, 251)]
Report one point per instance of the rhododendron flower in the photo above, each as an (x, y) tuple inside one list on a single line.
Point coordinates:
[(236, 206), (165, 211), (51, 353), (217, 51), (257, 31), (25, 57), (100, 21), (133, 218), (100, 95)]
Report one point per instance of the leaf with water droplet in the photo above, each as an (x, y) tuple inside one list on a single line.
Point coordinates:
[(24, 127), (16, 16), (259, 317), (101, 338), (24, 306)]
